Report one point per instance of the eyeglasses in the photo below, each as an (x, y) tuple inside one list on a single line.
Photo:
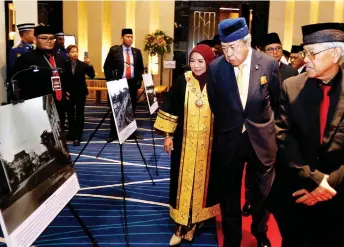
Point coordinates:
[(45, 39), (310, 54), (271, 49)]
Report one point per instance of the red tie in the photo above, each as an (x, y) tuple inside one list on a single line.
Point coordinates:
[(58, 92), (128, 66), (324, 105)]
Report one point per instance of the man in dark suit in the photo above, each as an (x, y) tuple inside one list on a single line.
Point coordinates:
[(43, 80), (273, 47), (310, 136), (296, 61), (125, 61), (243, 90)]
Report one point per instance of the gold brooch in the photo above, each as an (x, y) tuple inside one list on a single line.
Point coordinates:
[(187, 76), (263, 80)]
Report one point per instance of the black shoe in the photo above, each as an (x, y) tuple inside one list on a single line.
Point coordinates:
[(262, 240), (110, 139), (76, 143), (247, 209), (135, 136)]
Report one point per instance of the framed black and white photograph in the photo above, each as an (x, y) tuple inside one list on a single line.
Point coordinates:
[(35, 164), (122, 108), (150, 93)]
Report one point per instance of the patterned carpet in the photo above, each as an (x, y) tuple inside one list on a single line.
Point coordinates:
[(99, 202)]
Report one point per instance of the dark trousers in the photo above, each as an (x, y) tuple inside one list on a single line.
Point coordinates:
[(133, 93), (76, 116), (251, 185), (231, 194), (133, 96), (61, 111)]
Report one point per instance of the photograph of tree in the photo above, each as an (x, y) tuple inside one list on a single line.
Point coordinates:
[(150, 93), (122, 108)]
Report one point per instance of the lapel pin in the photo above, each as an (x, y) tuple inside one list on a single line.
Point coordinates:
[(257, 67)]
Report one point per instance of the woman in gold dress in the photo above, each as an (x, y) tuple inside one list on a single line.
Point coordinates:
[(187, 122)]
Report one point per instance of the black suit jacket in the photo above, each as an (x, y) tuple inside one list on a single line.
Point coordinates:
[(76, 83), (258, 114), (114, 65), (297, 129), (34, 84), (287, 71)]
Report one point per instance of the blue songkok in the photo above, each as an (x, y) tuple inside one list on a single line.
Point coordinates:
[(232, 29)]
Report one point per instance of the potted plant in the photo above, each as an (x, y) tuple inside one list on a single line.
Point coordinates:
[(158, 43)]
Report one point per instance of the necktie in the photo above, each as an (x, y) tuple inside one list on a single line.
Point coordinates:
[(243, 91), (323, 111), (73, 67), (58, 92), (128, 66), (241, 86)]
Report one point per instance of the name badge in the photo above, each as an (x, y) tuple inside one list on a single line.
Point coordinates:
[(56, 83)]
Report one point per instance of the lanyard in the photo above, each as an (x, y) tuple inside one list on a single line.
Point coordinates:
[(55, 73)]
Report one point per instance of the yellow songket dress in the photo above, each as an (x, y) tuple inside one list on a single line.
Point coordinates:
[(186, 115)]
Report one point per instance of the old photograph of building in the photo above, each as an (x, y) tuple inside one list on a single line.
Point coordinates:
[(33, 155)]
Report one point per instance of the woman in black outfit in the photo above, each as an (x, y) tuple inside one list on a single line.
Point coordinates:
[(76, 91)]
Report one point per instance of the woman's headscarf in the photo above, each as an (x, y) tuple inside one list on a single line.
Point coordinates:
[(208, 54)]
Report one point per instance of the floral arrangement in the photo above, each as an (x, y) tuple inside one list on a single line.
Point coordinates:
[(158, 43)]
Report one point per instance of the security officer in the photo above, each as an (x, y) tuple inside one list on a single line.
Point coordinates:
[(59, 48), (25, 45)]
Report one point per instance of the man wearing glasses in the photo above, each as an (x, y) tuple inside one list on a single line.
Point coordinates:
[(310, 135), (48, 77), (273, 47)]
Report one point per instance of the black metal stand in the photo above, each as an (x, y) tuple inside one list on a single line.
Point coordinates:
[(83, 226), (153, 140), (143, 158), (92, 135), (124, 196)]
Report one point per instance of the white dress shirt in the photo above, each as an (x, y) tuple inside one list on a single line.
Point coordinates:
[(245, 80), (284, 60), (301, 68)]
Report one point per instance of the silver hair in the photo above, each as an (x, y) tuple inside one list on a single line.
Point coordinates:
[(247, 40), (328, 45)]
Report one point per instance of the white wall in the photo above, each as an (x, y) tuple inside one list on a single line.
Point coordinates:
[(287, 17), (26, 12)]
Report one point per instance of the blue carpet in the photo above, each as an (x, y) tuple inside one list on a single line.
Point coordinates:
[(99, 202)]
